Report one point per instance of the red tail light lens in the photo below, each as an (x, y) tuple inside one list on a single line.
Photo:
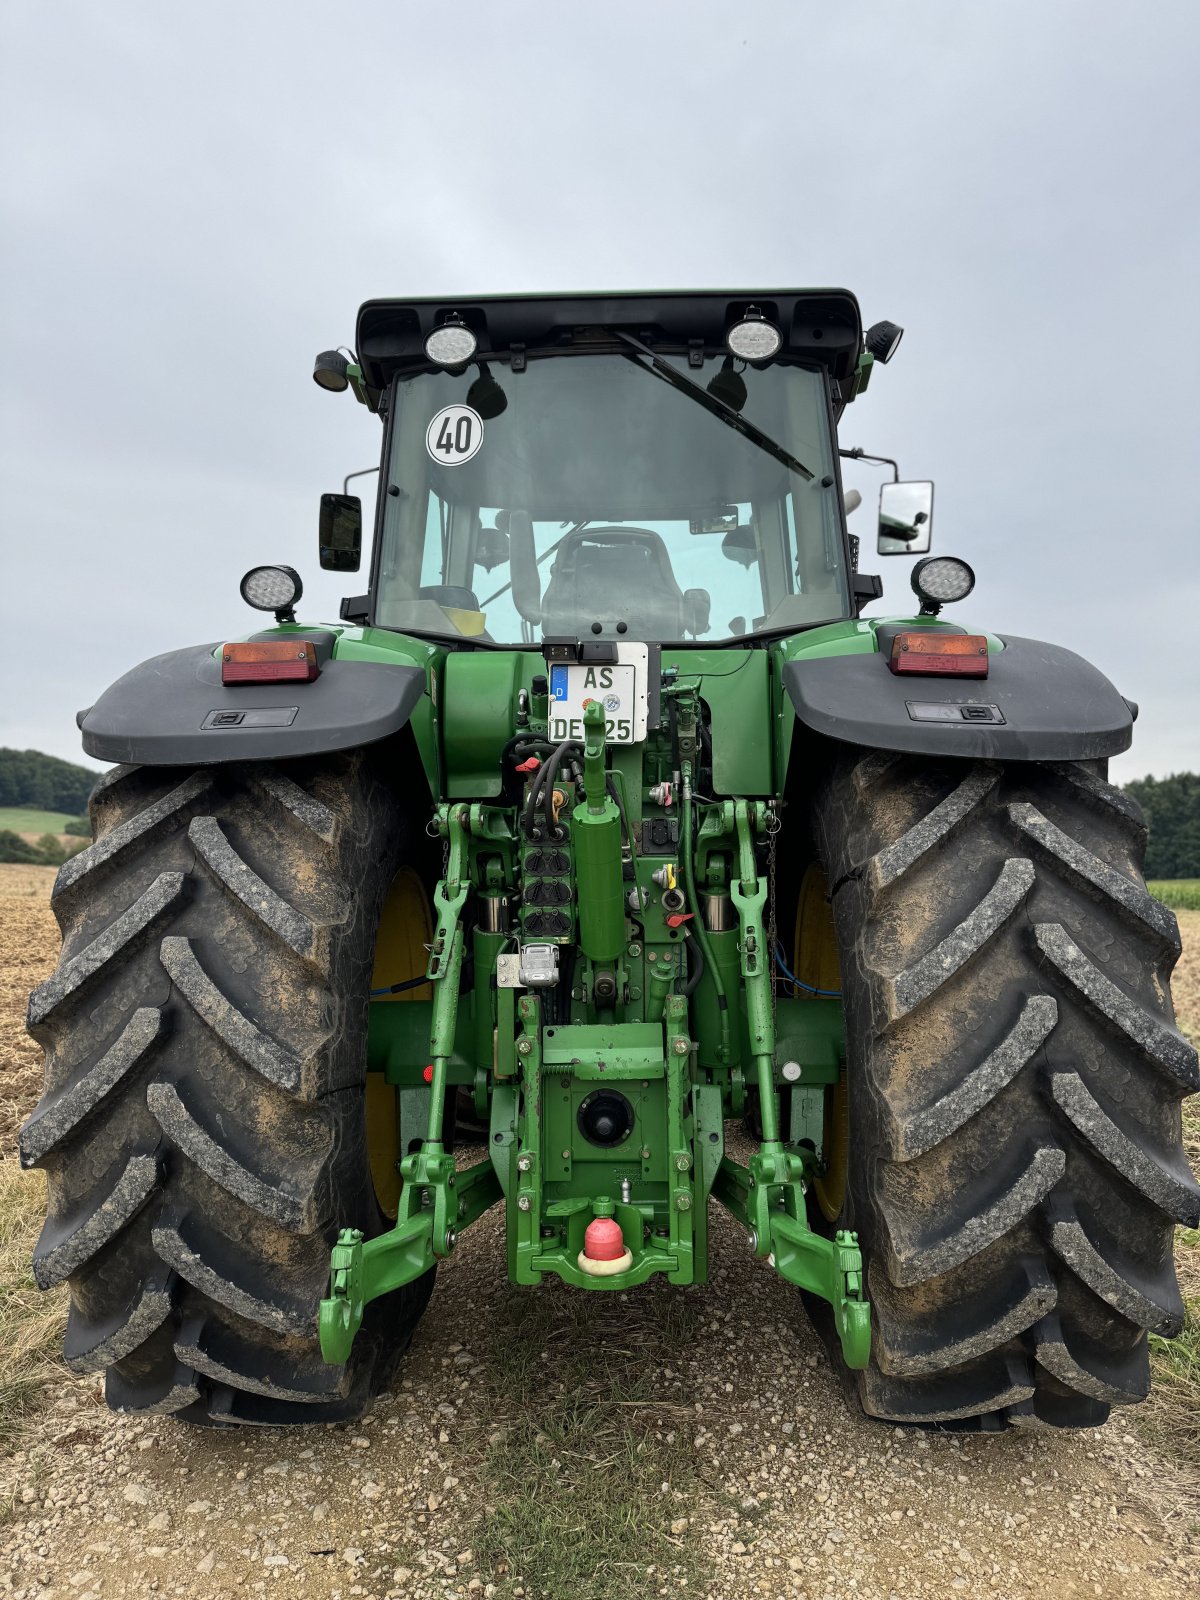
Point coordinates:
[(930, 652), (269, 661)]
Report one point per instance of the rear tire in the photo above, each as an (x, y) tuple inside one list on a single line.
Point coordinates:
[(203, 1130), (1016, 1162)]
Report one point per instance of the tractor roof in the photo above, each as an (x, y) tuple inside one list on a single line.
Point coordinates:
[(818, 325)]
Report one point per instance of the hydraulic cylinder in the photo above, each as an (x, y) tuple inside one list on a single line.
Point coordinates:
[(596, 839)]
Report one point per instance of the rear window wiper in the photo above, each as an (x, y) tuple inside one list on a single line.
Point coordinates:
[(711, 402)]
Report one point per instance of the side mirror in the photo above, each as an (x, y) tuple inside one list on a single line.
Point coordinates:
[(905, 519), (340, 534)]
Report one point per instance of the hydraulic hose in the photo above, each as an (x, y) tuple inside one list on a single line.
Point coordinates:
[(550, 769), (610, 784), (544, 774), (689, 883), (698, 964)]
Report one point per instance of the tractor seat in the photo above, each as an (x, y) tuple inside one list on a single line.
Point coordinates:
[(608, 574)]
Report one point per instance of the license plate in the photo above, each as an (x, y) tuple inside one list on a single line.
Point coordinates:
[(573, 686)]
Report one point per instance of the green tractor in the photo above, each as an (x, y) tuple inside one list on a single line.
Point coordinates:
[(605, 829)]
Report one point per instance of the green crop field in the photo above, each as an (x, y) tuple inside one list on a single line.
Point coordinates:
[(1181, 894), (26, 819)]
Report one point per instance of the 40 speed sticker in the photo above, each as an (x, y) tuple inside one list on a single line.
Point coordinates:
[(454, 435)]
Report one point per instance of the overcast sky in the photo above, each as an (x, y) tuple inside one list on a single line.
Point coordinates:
[(197, 198)]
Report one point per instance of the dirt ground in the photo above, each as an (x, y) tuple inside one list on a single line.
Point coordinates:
[(717, 1403)]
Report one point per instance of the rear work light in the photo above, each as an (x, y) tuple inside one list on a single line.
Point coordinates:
[(924, 651), (270, 661)]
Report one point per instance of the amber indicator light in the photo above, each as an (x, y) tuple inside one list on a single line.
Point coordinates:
[(270, 661), (959, 655)]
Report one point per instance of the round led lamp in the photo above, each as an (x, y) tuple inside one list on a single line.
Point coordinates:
[(452, 344), (939, 580), (882, 339), (330, 370), (272, 588), (753, 338)]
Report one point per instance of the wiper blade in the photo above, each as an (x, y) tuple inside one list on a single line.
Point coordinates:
[(724, 413)]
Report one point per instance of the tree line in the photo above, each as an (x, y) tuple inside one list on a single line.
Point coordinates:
[(29, 778), (1171, 807)]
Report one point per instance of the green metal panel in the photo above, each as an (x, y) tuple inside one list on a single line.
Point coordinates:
[(480, 696), (811, 1033), (398, 1042), (379, 644), (612, 1050), (735, 685)]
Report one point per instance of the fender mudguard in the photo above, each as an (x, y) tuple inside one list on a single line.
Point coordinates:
[(173, 710), (1039, 702)]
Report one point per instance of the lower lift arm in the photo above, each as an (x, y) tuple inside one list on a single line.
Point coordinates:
[(767, 1197), (436, 1201)]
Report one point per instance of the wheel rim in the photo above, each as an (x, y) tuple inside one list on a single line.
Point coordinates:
[(816, 962), (405, 928)]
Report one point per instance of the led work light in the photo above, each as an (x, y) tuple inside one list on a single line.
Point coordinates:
[(753, 338), (330, 371), (882, 340), (451, 344), (938, 580), (274, 589)]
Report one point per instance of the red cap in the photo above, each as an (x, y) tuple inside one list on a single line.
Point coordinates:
[(603, 1240), (428, 1074), (531, 765)]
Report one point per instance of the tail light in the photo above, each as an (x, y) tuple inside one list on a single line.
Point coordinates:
[(931, 652), (269, 661)]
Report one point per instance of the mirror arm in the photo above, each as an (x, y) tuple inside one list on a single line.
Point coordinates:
[(364, 473), (857, 453)]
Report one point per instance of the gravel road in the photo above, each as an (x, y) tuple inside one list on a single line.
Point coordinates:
[(770, 1486)]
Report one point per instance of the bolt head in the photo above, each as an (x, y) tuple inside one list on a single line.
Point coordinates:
[(524, 1163), (753, 1238), (566, 1155), (683, 1202), (451, 1239), (682, 1163), (524, 1046), (524, 1203), (681, 1047), (635, 949)]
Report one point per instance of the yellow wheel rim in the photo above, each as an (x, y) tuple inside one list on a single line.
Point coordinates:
[(815, 962), (405, 928)]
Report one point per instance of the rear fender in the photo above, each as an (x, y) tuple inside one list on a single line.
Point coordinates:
[(1039, 702), (173, 710)]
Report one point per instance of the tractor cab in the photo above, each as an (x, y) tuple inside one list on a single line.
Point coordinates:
[(661, 469)]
